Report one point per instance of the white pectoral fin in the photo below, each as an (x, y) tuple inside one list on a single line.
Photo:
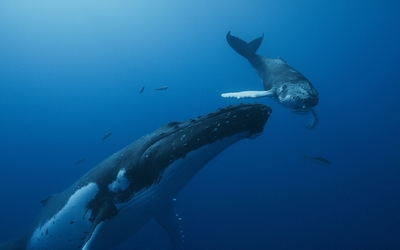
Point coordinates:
[(313, 121), (248, 94), (170, 221)]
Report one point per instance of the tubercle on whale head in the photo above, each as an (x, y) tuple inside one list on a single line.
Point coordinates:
[(222, 123)]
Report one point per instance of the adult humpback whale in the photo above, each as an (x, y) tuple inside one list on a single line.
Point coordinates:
[(281, 82), (119, 195)]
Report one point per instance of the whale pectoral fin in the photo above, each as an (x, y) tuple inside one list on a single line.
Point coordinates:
[(169, 220), (248, 94), (313, 121), (105, 212)]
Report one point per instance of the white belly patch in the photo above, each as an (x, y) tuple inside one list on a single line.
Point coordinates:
[(69, 227)]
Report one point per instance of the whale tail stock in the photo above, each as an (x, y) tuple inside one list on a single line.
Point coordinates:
[(16, 244), (243, 48)]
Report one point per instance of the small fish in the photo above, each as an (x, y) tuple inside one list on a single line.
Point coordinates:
[(80, 161), (107, 135), (141, 90), (318, 160), (161, 88), (300, 112)]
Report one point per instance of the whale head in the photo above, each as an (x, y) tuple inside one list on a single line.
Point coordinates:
[(297, 96)]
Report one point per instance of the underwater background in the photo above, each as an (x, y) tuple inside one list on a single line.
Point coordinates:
[(70, 71)]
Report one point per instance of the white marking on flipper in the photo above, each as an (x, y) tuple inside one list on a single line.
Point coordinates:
[(248, 94)]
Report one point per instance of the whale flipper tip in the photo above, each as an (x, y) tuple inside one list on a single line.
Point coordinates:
[(313, 121)]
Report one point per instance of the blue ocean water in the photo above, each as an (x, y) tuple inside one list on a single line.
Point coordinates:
[(70, 71)]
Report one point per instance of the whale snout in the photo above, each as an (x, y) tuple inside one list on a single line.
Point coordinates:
[(311, 101), (297, 96), (307, 95)]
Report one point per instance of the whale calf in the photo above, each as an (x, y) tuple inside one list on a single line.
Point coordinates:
[(281, 82), (139, 182)]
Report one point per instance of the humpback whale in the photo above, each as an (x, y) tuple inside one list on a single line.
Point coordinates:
[(139, 182), (281, 82)]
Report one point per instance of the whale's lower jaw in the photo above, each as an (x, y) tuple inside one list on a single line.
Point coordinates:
[(151, 202)]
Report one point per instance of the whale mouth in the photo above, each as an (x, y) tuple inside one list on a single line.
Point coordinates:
[(311, 101), (299, 98)]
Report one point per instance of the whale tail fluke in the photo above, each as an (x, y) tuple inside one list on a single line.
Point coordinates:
[(243, 48)]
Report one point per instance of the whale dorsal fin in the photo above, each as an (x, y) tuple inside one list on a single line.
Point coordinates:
[(280, 58), (45, 201)]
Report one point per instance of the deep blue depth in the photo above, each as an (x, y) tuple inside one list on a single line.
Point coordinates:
[(70, 72)]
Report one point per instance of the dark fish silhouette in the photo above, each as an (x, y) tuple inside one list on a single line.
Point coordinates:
[(318, 160), (80, 161), (107, 135), (141, 90), (161, 88)]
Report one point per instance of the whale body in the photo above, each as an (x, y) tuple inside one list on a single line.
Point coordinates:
[(281, 82), (139, 182)]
